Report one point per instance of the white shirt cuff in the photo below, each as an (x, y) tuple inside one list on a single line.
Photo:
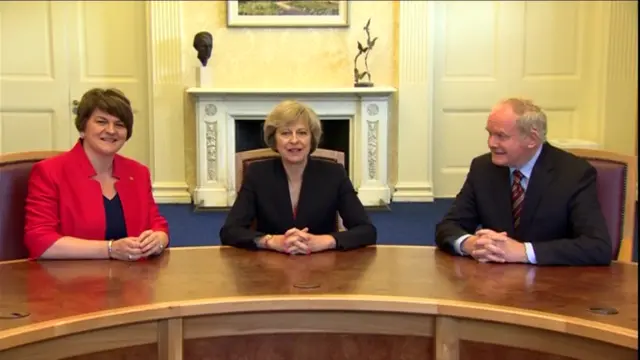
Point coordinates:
[(531, 255), (457, 245)]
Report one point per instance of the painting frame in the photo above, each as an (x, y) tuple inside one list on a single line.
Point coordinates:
[(234, 19)]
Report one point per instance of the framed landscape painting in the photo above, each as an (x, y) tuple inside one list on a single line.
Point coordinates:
[(301, 13)]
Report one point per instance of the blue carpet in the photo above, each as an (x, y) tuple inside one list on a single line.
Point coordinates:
[(405, 224)]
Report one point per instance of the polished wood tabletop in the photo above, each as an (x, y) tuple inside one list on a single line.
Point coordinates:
[(50, 290), (34, 293)]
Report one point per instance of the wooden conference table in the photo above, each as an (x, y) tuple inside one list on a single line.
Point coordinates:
[(383, 302)]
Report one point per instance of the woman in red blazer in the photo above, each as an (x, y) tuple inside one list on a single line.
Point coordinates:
[(90, 202)]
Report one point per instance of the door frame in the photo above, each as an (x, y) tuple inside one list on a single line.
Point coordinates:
[(166, 102), (414, 180)]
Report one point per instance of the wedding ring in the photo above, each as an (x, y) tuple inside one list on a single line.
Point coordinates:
[(129, 256)]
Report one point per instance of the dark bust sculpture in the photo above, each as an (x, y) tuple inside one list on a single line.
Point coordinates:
[(203, 43)]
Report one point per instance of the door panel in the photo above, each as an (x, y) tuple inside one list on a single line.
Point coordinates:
[(34, 92), (485, 51), (552, 49), (469, 78), (108, 49), (551, 68)]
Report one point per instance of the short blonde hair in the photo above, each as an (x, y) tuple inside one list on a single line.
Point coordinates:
[(530, 116), (287, 112)]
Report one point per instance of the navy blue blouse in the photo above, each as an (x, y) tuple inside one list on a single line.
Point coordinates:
[(116, 227)]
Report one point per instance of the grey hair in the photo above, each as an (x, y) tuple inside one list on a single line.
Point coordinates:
[(530, 117)]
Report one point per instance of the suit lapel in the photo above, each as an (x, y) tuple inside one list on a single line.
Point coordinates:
[(541, 178), (125, 186), (502, 183), (306, 189), (281, 192), (130, 207)]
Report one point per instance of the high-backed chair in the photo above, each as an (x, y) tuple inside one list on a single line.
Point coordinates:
[(617, 176), (246, 158), (14, 175)]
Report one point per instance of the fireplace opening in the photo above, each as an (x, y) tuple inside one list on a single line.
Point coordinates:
[(335, 136)]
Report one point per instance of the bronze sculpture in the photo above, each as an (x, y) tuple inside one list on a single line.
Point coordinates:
[(358, 76), (203, 43)]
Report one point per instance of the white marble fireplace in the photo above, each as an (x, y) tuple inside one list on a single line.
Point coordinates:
[(217, 110)]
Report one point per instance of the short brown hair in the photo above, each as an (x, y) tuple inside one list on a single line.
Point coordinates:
[(111, 101), (286, 113)]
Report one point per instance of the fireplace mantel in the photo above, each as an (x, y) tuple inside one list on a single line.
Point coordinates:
[(217, 109), (280, 92)]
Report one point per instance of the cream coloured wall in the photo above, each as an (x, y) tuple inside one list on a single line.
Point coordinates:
[(319, 58), (322, 58), (579, 66), (285, 57), (488, 50), (52, 52), (618, 116)]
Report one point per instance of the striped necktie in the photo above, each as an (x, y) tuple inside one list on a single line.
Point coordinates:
[(517, 197)]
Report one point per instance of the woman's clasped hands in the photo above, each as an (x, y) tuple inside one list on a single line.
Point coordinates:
[(133, 248), (301, 242)]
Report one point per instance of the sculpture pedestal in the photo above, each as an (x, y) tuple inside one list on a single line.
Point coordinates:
[(204, 77)]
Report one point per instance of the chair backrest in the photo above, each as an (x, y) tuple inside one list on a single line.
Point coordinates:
[(246, 158), (617, 176), (14, 176)]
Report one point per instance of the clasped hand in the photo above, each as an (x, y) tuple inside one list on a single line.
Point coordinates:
[(133, 248), (300, 241), (491, 246)]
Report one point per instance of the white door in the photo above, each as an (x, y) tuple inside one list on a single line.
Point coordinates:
[(34, 79), (52, 52), (107, 48), (485, 51)]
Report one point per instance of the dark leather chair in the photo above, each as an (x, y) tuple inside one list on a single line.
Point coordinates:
[(14, 175), (617, 179), (246, 158)]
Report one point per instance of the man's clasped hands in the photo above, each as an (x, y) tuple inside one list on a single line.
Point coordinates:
[(300, 242), (487, 245)]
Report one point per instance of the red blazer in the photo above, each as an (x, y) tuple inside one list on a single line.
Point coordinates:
[(64, 200)]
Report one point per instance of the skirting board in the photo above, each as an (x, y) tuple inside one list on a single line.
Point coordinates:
[(171, 193), (413, 192)]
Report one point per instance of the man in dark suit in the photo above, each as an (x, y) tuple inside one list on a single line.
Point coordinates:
[(526, 201)]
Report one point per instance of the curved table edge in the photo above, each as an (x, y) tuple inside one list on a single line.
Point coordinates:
[(390, 304)]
